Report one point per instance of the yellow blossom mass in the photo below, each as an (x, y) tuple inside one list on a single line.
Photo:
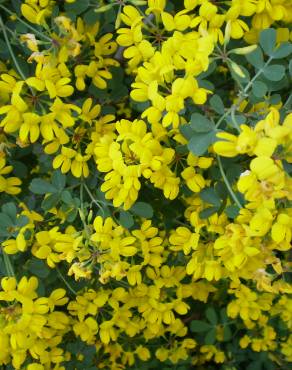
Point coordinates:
[(145, 184)]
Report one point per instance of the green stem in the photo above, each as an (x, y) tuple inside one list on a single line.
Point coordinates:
[(288, 101), (66, 282), (259, 72), (232, 114), (241, 97), (231, 192), (26, 24), (82, 214), (10, 50), (222, 118), (92, 198), (8, 265)]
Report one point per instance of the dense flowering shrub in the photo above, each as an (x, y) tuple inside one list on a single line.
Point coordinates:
[(145, 179)]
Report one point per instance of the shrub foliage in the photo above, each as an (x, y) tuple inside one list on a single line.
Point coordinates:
[(145, 179)]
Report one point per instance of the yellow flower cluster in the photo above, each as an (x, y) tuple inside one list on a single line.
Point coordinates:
[(30, 325), (149, 245)]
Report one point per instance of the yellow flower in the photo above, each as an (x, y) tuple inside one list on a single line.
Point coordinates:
[(79, 165), (30, 127), (184, 239), (64, 160), (12, 246), (8, 185), (194, 180), (89, 113)]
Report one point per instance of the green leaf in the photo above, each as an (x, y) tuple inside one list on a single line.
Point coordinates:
[(126, 219), (227, 333), (255, 58), (40, 186), (210, 70), (38, 268), (10, 210), (77, 7), (22, 221), (66, 197), (282, 51), (50, 201), (210, 338), (259, 89), (142, 209), (209, 195), (5, 221), (268, 40), (274, 72), (199, 326), (275, 99), (207, 212), (255, 365), (72, 215), (199, 123), (240, 119), (58, 180), (290, 67), (90, 17), (223, 315), (232, 211), (217, 104), (186, 131), (211, 315), (19, 168), (200, 142)]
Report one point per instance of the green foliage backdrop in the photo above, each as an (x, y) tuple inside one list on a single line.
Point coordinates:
[(145, 182)]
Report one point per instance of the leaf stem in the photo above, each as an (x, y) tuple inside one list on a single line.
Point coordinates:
[(92, 198), (66, 282), (231, 192), (241, 97), (10, 50)]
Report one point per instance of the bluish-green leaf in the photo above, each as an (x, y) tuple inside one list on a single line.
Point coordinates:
[(50, 201), (40, 186), (66, 197), (255, 365), (255, 58), (209, 195), (10, 210), (232, 211), (227, 333), (72, 215), (282, 51), (217, 104), (259, 89), (5, 221), (187, 131), (274, 72), (142, 209), (290, 67), (38, 267), (126, 219), (77, 7), (210, 337), (207, 212), (200, 142), (199, 326), (58, 180), (268, 40), (211, 315), (200, 123), (22, 221)]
